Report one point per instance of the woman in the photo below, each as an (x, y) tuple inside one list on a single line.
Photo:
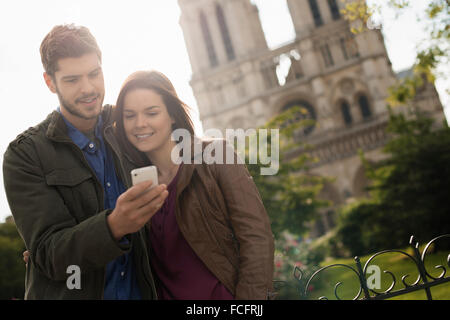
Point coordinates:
[(212, 238)]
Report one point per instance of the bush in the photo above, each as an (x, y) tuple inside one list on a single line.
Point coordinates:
[(359, 228), (408, 190), (12, 267)]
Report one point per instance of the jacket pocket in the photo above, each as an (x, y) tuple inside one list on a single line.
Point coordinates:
[(67, 177), (76, 187)]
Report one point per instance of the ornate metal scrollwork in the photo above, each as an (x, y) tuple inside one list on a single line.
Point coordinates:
[(424, 280), (424, 253), (298, 275), (390, 273)]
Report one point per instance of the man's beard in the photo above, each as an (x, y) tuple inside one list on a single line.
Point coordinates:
[(72, 109)]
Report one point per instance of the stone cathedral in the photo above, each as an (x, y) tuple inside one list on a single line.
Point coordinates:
[(339, 78)]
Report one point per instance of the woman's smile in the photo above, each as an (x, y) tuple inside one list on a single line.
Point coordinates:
[(144, 135)]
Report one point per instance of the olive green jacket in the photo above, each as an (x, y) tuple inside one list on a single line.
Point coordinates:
[(57, 204)]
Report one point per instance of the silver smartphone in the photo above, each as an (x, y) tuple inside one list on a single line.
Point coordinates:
[(144, 174)]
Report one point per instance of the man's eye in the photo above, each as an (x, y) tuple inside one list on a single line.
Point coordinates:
[(71, 80)]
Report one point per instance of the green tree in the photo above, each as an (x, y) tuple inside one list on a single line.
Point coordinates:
[(12, 267), (290, 196), (408, 190)]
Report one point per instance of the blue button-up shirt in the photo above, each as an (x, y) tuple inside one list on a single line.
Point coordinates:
[(121, 282)]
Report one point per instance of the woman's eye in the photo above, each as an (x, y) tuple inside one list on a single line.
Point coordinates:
[(129, 116)]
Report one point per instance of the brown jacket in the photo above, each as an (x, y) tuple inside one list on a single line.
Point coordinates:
[(221, 215)]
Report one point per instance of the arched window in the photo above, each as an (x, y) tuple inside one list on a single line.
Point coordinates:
[(364, 107), (225, 34), (208, 40), (346, 114), (334, 9), (316, 13)]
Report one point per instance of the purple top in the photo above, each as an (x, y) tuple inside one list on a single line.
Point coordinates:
[(181, 275)]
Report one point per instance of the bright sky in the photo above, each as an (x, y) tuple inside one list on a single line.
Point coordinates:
[(133, 35)]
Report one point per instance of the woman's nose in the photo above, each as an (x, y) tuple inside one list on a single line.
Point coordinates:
[(140, 121)]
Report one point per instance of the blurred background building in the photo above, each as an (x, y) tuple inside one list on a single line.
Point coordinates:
[(340, 80)]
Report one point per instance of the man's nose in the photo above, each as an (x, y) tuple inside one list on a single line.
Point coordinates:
[(86, 86)]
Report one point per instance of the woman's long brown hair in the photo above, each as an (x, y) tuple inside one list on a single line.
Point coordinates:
[(177, 109)]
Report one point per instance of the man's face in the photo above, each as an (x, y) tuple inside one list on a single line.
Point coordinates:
[(80, 87)]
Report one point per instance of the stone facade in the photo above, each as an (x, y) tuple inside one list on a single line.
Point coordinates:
[(340, 78)]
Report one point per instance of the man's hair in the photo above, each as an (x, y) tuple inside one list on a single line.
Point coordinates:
[(66, 41)]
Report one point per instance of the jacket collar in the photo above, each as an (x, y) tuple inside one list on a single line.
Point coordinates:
[(79, 138), (187, 170), (57, 128)]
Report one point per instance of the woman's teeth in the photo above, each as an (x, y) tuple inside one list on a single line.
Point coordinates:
[(142, 136)]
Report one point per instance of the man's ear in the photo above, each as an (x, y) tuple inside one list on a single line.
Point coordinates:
[(49, 82)]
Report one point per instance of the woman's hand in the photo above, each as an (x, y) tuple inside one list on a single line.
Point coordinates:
[(26, 256)]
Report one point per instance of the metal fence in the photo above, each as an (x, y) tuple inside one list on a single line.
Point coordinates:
[(424, 281)]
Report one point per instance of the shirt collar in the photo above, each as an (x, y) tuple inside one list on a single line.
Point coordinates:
[(78, 137)]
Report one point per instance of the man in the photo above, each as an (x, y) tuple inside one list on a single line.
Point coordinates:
[(81, 228)]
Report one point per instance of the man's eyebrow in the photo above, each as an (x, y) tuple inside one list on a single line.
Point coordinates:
[(69, 77), (74, 76)]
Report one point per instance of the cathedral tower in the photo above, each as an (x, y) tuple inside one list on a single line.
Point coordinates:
[(222, 39)]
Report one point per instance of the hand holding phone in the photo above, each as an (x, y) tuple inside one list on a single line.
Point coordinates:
[(135, 207)]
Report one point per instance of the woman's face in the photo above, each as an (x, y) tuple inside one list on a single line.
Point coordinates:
[(147, 124)]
